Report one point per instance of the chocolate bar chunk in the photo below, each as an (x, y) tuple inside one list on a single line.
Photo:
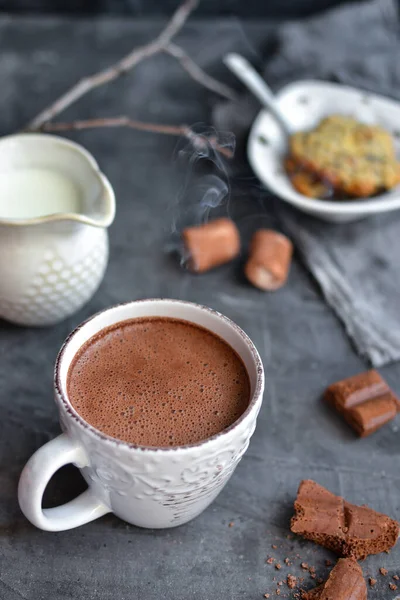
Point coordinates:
[(345, 582), (365, 401), (345, 528)]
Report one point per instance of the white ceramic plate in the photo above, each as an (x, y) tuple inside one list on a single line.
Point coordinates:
[(305, 103)]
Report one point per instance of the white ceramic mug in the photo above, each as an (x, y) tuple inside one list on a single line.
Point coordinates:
[(148, 487)]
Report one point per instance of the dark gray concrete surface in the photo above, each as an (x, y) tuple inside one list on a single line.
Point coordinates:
[(250, 9), (303, 346)]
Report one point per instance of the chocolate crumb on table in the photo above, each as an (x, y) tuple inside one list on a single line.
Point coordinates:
[(287, 562), (347, 529), (328, 563), (266, 596), (270, 560), (383, 571), (365, 401), (396, 577), (278, 566), (304, 566), (291, 581), (372, 581), (274, 546), (393, 586)]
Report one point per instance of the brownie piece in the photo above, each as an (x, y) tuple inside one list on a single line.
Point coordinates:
[(319, 516), (345, 582), (345, 528), (314, 594), (368, 532), (365, 401)]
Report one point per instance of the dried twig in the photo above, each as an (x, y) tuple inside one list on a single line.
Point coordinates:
[(161, 44), (198, 74), (125, 64), (200, 142)]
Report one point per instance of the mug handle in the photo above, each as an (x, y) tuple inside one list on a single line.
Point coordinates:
[(37, 474)]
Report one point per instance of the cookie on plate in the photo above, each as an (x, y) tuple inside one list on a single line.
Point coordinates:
[(342, 157)]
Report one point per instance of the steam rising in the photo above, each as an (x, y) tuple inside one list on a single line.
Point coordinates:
[(213, 191), (205, 188)]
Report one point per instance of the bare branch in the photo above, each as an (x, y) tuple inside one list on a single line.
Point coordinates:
[(200, 142), (198, 74), (125, 64)]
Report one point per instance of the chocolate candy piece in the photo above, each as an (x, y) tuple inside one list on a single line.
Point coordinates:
[(345, 528), (345, 582), (365, 401), (268, 265), (210, 245)]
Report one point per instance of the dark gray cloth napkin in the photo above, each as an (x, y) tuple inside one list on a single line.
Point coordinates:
[(357, 265)]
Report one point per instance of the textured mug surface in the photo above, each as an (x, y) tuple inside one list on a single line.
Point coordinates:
[(148, 487)]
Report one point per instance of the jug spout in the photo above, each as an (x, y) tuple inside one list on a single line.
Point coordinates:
[(46, 178), (97, 203)]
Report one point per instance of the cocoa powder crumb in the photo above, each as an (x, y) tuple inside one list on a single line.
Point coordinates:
[(393, 586), (328, 563), (278, 566), (270, 560), (291, 581), (396, 577), (383, 571), (304, 566), (372, 581)]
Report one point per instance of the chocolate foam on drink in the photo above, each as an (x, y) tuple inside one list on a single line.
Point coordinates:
[(158, 382)]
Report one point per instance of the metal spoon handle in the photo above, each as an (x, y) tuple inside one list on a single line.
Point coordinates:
[(256, 84)]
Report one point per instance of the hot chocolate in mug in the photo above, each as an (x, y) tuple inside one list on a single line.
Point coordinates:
[(147, 487)]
